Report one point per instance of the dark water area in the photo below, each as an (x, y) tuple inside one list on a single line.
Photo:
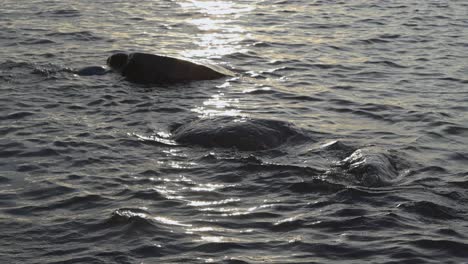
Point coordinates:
[(342, 138)]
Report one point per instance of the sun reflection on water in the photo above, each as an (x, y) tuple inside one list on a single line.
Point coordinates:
[(210, 203), (219, 34), (218, 105), (193, 193), (216, 8)]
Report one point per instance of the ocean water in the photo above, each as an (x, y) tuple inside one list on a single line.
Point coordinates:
[(93, 171)]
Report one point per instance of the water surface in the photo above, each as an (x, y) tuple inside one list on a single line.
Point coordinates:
[(89, 173)]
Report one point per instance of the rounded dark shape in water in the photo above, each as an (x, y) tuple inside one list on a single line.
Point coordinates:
[(149, 68), (371, 166), (117, 61), (92, 70), (242, 134)]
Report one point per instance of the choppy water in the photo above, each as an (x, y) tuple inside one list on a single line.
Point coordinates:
[(90, 172)]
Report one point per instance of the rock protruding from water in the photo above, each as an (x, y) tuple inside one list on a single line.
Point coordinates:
[(370, 166), (147, 68), (242, 134)]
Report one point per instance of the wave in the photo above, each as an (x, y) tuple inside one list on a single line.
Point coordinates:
[(17, 115), (428, 209), (60, 13), (75, 36)]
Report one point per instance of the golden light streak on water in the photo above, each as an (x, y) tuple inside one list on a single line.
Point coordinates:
[(220, 34), (217, 8), (218, 105)]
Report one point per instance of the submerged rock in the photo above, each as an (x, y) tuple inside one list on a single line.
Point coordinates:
[(242, 134), (92, 70)]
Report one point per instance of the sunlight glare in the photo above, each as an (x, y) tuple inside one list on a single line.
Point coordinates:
[(217, 105), (216, 8), (220, 33)]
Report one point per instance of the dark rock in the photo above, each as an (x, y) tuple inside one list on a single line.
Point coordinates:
[(242, 134)]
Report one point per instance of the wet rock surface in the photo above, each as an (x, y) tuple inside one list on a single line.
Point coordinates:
[(242, 134)]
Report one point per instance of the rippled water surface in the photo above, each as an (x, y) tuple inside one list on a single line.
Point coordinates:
[(364, 104)]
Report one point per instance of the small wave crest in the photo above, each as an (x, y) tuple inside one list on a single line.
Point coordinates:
[(76, 36), (60, 13), (427, 209)]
